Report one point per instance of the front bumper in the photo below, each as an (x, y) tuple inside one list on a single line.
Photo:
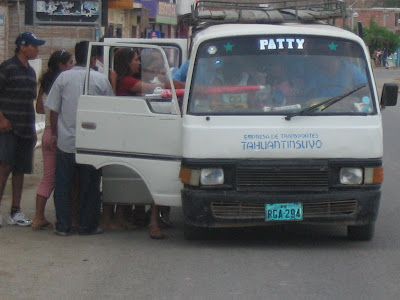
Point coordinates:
[(205, 208)]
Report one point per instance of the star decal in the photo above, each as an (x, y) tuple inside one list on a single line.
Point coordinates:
[(332, 46), (228, 47)]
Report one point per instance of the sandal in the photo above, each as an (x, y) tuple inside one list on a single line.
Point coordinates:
[(44, 226), (155, 232)]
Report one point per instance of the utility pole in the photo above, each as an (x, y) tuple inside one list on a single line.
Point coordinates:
[(353, 15), (19, 17)]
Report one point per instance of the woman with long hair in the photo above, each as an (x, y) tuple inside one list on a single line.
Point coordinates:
[(59, 61), (127, 66)]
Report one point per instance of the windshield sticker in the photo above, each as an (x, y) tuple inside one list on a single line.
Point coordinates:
[(332, 46), (228, 47), (281, 141), (289, 43), (212, 50), (218, 62)]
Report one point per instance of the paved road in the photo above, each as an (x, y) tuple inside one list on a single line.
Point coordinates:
[(301, 263)]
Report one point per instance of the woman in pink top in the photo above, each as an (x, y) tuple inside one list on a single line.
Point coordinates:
[(59, 61)]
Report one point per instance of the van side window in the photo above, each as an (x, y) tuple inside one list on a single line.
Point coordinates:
[(141, 73)]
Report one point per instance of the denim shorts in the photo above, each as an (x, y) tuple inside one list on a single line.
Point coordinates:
[(17, 152)]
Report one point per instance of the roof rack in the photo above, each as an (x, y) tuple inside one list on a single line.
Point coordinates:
[(208, 12)]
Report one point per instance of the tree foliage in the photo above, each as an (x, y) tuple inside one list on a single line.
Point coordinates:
[(379, 37)]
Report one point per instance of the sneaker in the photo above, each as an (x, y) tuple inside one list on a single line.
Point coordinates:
[(19, 219), (62, 233)]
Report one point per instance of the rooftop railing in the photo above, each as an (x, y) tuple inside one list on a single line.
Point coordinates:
[(208, 12)]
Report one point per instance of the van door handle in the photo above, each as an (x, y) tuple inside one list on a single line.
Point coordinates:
[(89, 125)]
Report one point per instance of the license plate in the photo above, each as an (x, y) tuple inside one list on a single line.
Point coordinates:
[(284, 212)]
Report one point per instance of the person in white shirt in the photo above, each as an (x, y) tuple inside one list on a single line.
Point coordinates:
[(63, 103)]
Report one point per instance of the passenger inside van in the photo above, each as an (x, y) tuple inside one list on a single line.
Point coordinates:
[(127, 66), (233, 72), (329, 76)]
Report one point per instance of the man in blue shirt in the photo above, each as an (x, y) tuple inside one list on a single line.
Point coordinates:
[(330, 77), (181, 73)]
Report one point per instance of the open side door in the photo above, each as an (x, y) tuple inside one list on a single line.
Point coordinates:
[(140, 135)]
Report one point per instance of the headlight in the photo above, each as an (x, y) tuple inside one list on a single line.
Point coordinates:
[(351, 175), (212, 176)]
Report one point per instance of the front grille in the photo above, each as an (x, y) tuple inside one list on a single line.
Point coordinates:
[(282, 178), (239, 210), (327, 208)]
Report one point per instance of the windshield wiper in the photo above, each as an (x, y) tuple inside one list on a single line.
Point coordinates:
[(325, 103)]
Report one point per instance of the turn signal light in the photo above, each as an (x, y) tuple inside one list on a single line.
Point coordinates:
[(378, 175), (373, 175), (189, 176)]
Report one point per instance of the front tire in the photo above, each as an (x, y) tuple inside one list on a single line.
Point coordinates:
[(361, 232)]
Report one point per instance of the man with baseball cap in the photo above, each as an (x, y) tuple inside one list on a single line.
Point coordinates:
[(28, 38), (17, 121)]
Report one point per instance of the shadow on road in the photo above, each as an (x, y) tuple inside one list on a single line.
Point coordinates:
[(298, 234)]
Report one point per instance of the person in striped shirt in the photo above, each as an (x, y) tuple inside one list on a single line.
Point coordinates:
[(17, 121)]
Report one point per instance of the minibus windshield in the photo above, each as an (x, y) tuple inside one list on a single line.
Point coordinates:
[(282, 75)]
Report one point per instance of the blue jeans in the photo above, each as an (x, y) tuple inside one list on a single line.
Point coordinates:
[(89, 193)]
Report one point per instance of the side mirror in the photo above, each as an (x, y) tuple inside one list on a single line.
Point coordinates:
[(389, 94)]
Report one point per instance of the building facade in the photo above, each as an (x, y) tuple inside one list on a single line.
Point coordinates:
[(142, 18), (64, 23), (62, 27), (386, 17)]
